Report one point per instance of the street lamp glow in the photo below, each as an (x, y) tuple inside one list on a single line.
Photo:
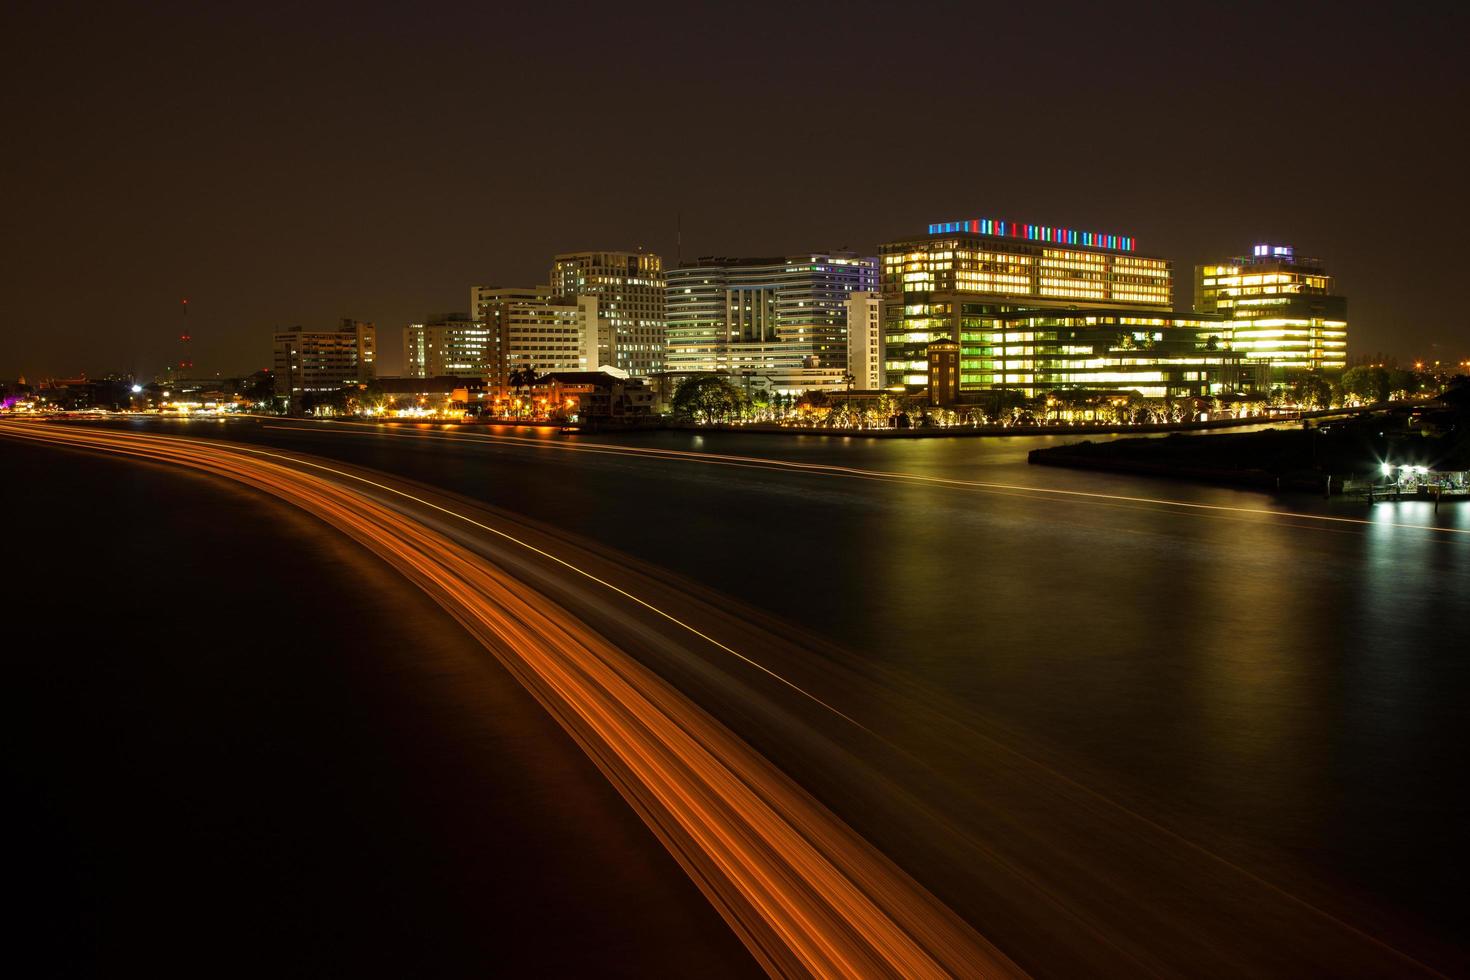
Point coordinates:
[(1387, 469)]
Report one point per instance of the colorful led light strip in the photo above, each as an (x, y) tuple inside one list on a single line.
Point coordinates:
[(1036, 233)]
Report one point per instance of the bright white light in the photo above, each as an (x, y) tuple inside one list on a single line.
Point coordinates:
[(137, 389), (1387, 469)]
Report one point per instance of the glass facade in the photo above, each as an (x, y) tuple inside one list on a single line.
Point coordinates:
[(766, 315), (1036, 309), (980, 283), (1281, 308), (1039, 351)]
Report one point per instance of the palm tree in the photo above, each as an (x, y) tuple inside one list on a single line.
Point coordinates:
[(521, 378)]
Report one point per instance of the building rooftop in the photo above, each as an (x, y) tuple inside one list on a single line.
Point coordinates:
[(1042, 234)]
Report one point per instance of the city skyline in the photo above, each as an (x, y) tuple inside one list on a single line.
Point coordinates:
[(295, 210)]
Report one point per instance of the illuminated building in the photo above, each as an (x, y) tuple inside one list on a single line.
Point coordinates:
[(966, 280), (454, 345), (865, 340), (1280, 306), (944, 372), (629, 288), (431, 395), (324, 360), (1157, 355), (592, 396), (783, 318), (534, 328)]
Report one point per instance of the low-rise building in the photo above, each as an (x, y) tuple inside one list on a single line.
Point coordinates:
[(591, 396), (446, 394)]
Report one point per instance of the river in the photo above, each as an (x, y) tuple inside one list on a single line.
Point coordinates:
[(1277, 680)]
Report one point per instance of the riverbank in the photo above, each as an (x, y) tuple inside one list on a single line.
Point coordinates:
[(961, 431), (1327, 456), (1259, 467)]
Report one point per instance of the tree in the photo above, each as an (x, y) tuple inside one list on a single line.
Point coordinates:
[(1311, 391), (708, 398), (815, 398), (260, 387), (1404, 384), (1366, 384), (1000, 404)]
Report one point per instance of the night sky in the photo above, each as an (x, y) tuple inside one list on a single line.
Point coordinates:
[(300, 163)]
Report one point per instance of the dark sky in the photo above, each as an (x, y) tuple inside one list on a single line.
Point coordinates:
[(284, 164)]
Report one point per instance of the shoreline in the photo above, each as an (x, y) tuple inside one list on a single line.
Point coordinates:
[(922, 432)]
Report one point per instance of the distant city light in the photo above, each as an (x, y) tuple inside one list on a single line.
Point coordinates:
[(137, 389)]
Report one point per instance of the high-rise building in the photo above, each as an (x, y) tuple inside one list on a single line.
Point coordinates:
[(784, 317), (535, 328), (629, 288), (953, 283), (1281, 307), (324, 360), (453, 345), (1036, 309), (865, 340)]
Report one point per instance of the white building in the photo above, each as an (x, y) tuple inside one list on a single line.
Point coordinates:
[(451, 346), (535, 328), (629, 288), (784, 318), (865, 340)]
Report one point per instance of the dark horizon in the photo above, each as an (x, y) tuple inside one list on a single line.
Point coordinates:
[(282, 166)]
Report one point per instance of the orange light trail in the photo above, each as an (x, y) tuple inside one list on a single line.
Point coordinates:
[(829, 469), (805, 893)]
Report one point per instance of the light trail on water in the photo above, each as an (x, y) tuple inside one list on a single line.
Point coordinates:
[(806, 894)]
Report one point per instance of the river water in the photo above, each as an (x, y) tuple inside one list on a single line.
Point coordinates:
[(1287, 691)]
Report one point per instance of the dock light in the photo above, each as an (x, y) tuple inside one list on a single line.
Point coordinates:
[(1387, 469)]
